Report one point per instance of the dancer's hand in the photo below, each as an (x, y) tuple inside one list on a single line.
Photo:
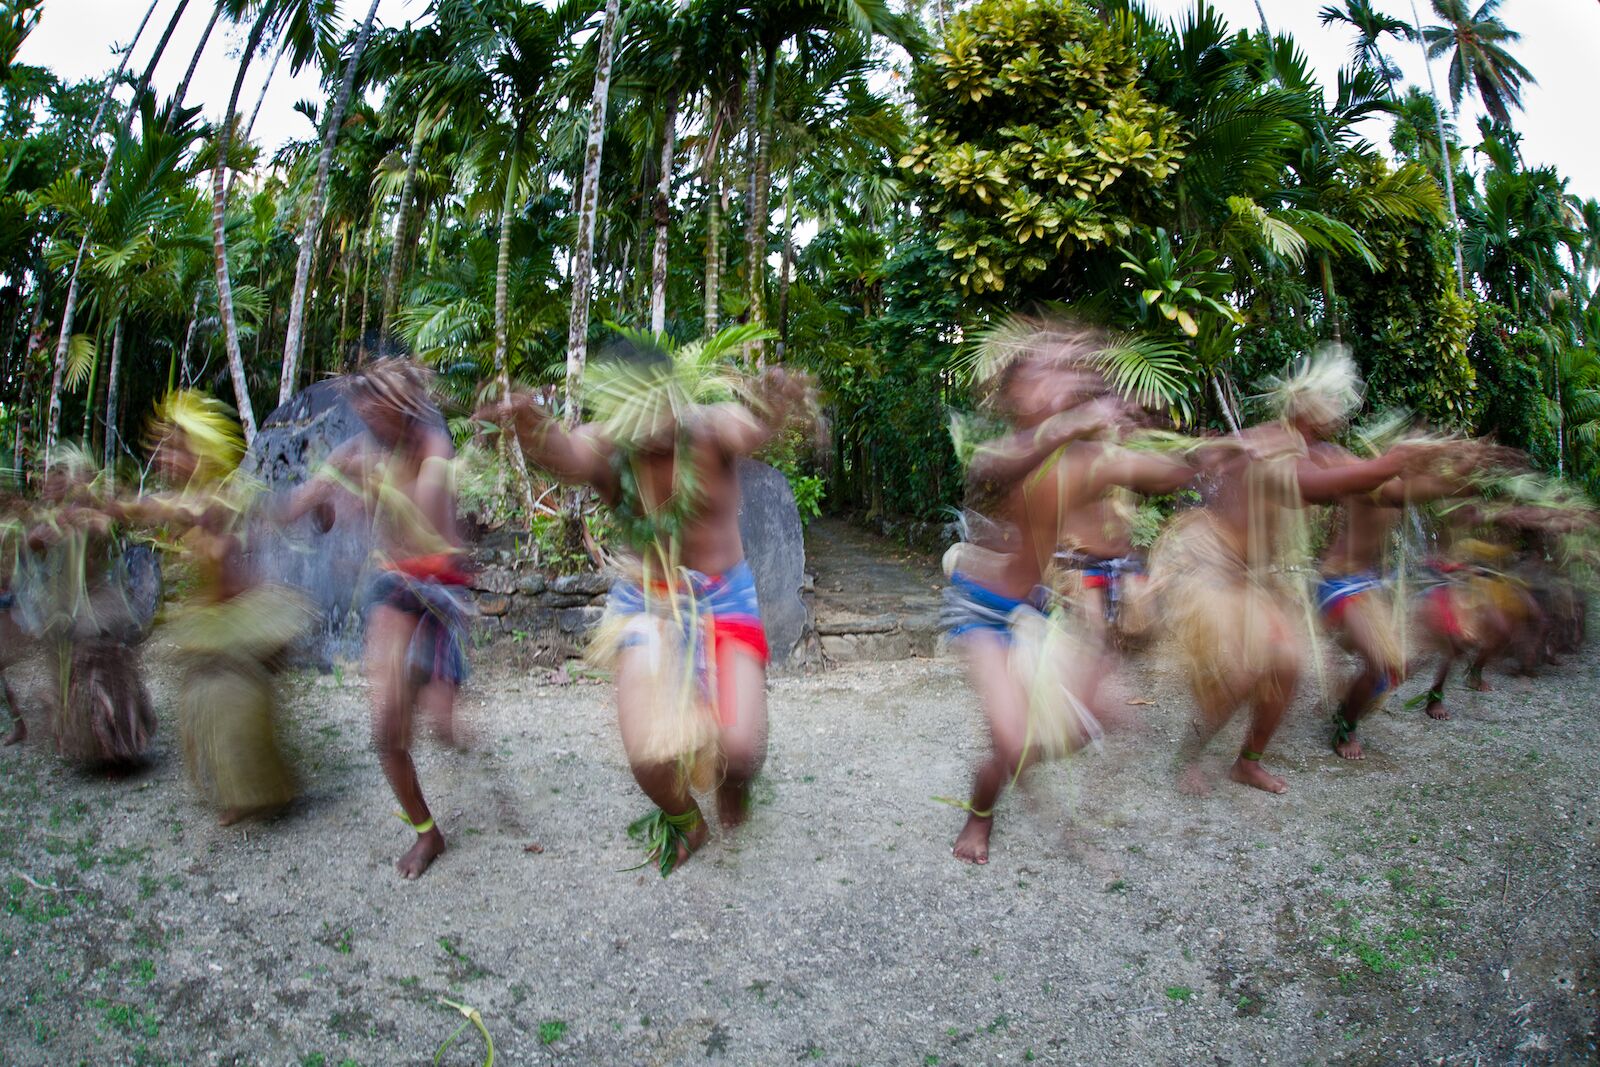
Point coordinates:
[(782, 391)]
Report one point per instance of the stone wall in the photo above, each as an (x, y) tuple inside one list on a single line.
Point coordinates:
[(553, 615)]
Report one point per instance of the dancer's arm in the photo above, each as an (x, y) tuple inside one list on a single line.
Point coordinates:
[(580, 456), (344, 465), (741, 430), (1001, 464), (1328, 484)]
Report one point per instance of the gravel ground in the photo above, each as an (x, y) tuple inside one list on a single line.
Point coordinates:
[(1434, 903)]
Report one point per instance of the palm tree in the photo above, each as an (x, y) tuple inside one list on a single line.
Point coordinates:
[(1371, 26), (64, 341), (290, 374), (1476, 44), (583, 253), (305, 25)]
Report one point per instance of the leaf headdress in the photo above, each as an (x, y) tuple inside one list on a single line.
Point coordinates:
[(208, 427), (636, 400)]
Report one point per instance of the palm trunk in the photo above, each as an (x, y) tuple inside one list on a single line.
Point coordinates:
[(502, 271), (713, 182), (752, 152), (1444, 154), (502, 324), (397, 260), (788, 266), (69, 311), (112, 377), (761, 188), (219, 238), (1222, 402), (194, 61), (1335, 333), (344, 296), (86, 431), (181, 364), (308, 238), (366, 288), (583, 259), (663, 218)]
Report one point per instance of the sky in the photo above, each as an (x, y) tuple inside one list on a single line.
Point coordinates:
[(1560, 40)]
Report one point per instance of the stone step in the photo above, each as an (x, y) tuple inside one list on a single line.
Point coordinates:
[(848, 638)]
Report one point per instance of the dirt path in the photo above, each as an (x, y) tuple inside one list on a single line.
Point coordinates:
[(1436, 902)]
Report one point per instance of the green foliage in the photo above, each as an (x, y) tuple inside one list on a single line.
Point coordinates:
[(1409, 327), (1037, 141), (1507, 363)]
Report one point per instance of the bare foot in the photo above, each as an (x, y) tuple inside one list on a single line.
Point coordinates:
[(972, 845), (1250, 772), (18, 734), (1437, 710), (1479, 684), (1349, 748), (733, 803), (421, 855), (233, 815), (692, 840), (1193, 782)]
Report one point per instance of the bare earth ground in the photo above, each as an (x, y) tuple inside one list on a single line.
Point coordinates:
[(1434, 903)]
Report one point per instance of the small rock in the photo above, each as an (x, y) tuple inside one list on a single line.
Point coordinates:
[(590, 583), (578, 620), (531, 584), (493, 605)]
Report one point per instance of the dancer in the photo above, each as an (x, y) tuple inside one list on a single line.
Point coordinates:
[(1353, 593), (101, 715), (14, 639), (683, 631), (1030, 671), (231, 636), (403, 471), (1223, 566)]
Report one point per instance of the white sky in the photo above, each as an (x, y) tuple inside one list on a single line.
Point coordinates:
[(1561, 39)]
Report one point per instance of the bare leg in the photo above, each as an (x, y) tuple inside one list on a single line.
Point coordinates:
[(1365, 622), (663, 783), (1272, 695), (388, 638), (1435, 706), (742, 700), (19, 725), (1005, 706), (437, 701)]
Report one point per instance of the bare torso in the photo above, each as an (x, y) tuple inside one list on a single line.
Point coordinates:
[(709, 539)]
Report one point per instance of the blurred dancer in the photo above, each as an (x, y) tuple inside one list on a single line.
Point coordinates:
[(231, 636), (1353, 593), (417, 611), (684, 628), (1226, 597), (1030, 672), (14, 639), (101, 713)]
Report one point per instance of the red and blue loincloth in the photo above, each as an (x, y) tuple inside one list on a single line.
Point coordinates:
[(721, 610), (1335, 592), (971, 608), (432, 589)]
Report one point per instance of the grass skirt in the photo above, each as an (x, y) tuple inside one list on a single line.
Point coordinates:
[(106, 719), (1230, 626), (227, 709), (1050, 661), (680, 726)]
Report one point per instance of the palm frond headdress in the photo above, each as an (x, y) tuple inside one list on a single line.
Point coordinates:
[(1324, 387), (208, 427)]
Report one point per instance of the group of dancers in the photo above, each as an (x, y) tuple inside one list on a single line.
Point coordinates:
[(1271, 535)]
